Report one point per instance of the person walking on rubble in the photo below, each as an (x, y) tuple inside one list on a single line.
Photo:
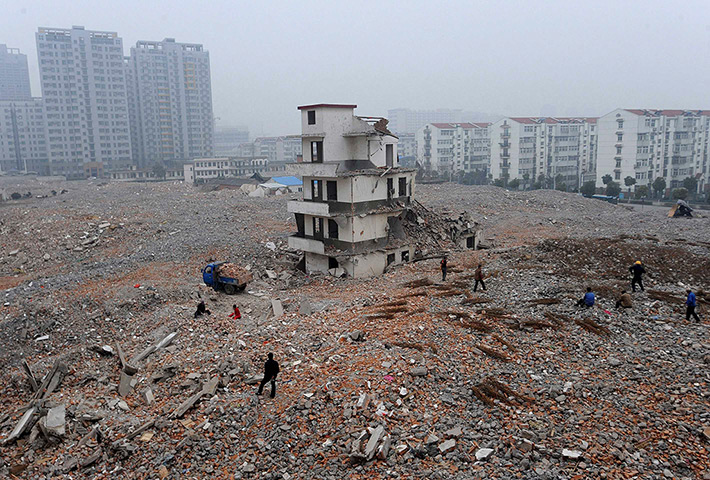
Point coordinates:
[(624, 300), (691, 303), (236, 314), (478, 277), (201, 309), (587, 300), (443, 269), (638, 270), (271, 369)]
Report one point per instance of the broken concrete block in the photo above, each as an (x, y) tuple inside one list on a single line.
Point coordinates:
[(21, 425), (384, 449), (370, 448), (357, 336), (123, 406), (483, 453), (571, 454), (454, 432), (162, 472), (419, 372), (305, 308), (147, 396), (447, 445), (125, 385), (363, 401), (277, 307), (431, 439), (55, 420), (255, 380)]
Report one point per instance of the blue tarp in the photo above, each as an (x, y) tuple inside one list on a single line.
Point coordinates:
[(288, 181)]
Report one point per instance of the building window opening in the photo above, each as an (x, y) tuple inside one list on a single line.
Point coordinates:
[(403, 187), (405, 256), (390, 259), (332, 190), (390, 188), (317, 228), (300, 225), (332, 229), (470, 242), (332, 263), (311, 117), (389, 154), (317, 152), (316, 192)]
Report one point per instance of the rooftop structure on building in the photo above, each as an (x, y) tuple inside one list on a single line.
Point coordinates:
[(356, 197), (14, 74)]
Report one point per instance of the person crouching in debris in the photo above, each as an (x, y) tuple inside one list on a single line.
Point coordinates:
[(201, 309), (637, 270), (478, 277), (691, 303), (624, 300), (443, 269), (236, 314), (271, 369), (587, 300)]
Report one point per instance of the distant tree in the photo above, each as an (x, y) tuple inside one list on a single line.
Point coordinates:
[(680, 193), (629, 182), (514, 184), (659, 185), (498, 182), (613, 189), (159, 171), (589, 188), (691, 184), (641, 191), (16, 196), (606, 179), (561, 186), (526, 180)]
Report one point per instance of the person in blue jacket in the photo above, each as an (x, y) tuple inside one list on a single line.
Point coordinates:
[(691, 302), (588, 300)]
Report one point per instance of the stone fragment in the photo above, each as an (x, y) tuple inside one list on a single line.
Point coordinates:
[(419, 372), (125, 385), (454, 432), (571, 454), (447, 445), (305, 308), (431, 439), (370, 448), (483, 453), (123, 406), (163, 472), (55, 420), (248, 468), (384, 449), (277, 307), (147, 396)]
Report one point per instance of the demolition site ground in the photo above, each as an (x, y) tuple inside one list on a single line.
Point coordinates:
[(107, 374)]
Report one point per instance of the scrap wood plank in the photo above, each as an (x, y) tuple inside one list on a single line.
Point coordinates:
[(208, 389), (30, 375), (52, 380), (21, 425), (154, 348), (140, 430), (127, 367)]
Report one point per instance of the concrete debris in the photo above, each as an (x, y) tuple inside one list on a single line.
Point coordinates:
[(55, 422), (419, 371), (483, 453), (447, 445), (147, 396), (276, 307), (305, 308), (571, 454)]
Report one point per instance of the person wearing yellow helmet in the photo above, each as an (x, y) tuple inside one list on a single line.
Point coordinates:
[(637, 270)]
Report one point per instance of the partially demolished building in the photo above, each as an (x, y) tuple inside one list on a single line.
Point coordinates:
[(357, 213)]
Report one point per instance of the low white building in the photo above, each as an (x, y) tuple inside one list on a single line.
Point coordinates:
[(528, 148), (354, 192), (202, 169), (451, 148), (648, 144)]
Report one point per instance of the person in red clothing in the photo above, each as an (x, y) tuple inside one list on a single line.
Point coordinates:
[(236, 315)]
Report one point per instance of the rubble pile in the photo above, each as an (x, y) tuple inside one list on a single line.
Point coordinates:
[(108, 373)]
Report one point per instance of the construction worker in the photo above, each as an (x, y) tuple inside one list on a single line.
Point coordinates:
[(478, 277), (690, 303), (236, 314), (638, 270), (624, 300), (587, 300), (443, 269), (271, 369), (201, 309)]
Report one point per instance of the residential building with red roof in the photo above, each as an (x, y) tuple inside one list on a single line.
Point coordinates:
[(454, 148)]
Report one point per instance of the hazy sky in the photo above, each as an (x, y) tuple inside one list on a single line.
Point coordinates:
[(504, 57)]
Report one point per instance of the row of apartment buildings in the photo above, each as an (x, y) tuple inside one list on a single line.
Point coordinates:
[(103, 111), (637, 143)]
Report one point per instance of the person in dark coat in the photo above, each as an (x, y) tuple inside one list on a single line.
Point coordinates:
[(443, 269), (201, 309), (624, 300), (637, 270), (691, 302), (271, 369), (478, 277)]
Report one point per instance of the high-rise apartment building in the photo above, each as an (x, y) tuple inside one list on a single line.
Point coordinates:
[(23, 143), (450, 148), (647, 144), (171, 102), (228, 139), (14, 74), (84, 89), (557, 148)]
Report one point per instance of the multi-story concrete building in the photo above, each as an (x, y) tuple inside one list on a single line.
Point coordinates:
[(450, 148), (84, 89), (407, 149), (354, 192), (555, 148), (203, 169), (278, 150), (228, 139), (23, 142), (171, 102), (405, 120), (14, 74), (647, 144)]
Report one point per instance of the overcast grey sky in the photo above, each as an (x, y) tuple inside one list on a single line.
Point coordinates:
[(505, 57)]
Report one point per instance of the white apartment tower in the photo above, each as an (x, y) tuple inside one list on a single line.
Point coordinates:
[(556, 148), (451, 148), (23, 142), (647, 144), (14, 74), (171, 102), (354, 192), (84, 90)]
